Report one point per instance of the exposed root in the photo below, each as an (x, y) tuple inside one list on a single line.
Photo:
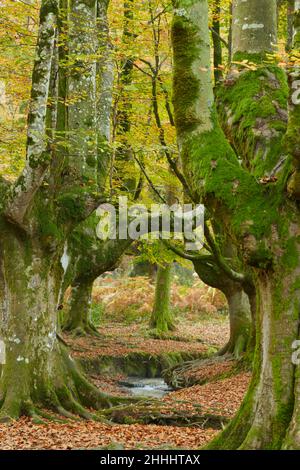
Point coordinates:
[(158, 334), (67, 392), (84, 329), (237, 348), (189, 373), (151, 412)]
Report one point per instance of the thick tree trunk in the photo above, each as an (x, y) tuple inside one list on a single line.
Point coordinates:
[(269, 415), (28, 292), (268, 227), (162, 318), (37, 370), (240, 309), (239, 321), (79, 320), (89, 257), (254, 31), (274, 394)]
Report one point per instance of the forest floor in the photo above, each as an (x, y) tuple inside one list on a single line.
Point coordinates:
[(185, 418), (218, 396)]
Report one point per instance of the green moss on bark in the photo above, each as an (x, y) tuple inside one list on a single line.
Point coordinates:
[(162, 316), (185, 84), (253, 111)]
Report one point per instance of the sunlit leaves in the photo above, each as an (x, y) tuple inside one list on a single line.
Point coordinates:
[(18, 28)]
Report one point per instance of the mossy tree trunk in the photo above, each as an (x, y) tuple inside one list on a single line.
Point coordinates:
[(238, 304), (240, 323), (268, 416), (249, 197), (162, 319), (38, 371), (36, 220), (79, 320), (89, 257)]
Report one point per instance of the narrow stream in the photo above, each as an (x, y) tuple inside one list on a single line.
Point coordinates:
[(155, 388)]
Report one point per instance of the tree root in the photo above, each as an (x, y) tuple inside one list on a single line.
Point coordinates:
[(158, 334), (81, 330), (236, 348), (185, 375), (150, 412), (67, 392)]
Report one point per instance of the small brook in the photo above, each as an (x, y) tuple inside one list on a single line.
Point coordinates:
[(155, 387)]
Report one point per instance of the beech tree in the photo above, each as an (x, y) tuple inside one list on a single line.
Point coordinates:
[(89, 258), (239, 306), (238, 289), (59, 188), (162, 318), (240, 151), (240, 154)]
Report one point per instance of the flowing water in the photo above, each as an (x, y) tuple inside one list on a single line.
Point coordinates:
[(155, 388)]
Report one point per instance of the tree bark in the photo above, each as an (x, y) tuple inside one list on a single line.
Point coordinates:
[(37, 152), (162, 318), (216, 31), (105, 93), (290, 24), (82, 90), (254, 31), (240, 312), (240, 324), (79, 320), (265, 418), (296, 22), (88, 257), (37, 370), (268, 227)]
